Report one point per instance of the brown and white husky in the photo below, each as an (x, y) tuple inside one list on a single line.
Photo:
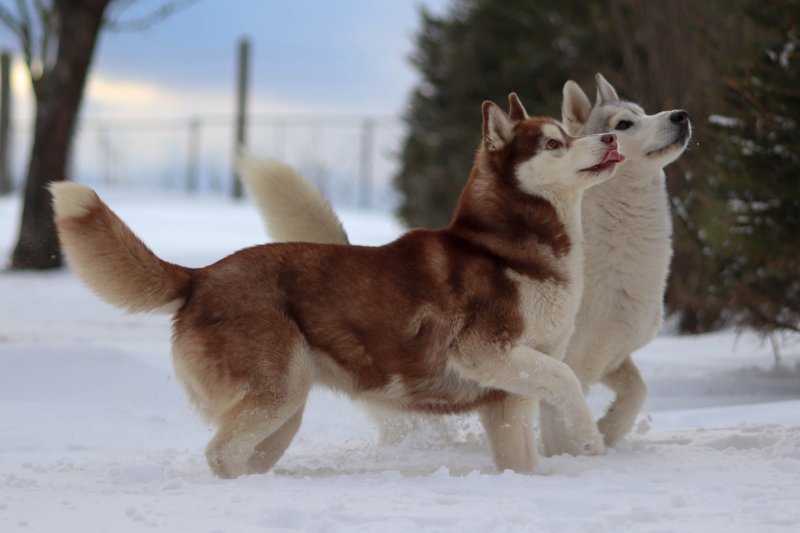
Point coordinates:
[(475, 316)]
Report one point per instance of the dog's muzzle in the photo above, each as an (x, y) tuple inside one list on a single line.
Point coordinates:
[(681, 119)]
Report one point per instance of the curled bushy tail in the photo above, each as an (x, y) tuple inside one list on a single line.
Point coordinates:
[(292, 208), (109, 258)]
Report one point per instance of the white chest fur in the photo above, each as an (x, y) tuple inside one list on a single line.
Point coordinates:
[(627, 254)]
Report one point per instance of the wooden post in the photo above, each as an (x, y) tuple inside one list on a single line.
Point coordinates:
[(193, 163), (6, 184), (365, 164), (241, 109)]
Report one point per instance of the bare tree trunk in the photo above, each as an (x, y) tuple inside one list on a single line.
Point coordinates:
[(58, 98), (6, 183)]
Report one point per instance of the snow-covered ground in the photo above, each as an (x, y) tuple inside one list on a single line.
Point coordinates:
[(96, 435)]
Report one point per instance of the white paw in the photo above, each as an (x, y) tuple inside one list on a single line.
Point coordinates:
[(612, 430), (590, 441)]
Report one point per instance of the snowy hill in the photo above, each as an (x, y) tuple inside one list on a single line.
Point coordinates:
[(96, 435)]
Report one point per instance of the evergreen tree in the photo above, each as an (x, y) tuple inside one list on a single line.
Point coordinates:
[(734, 193), (479, 50), (752, 231)]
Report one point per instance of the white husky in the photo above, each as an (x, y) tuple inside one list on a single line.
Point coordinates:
[(627, 230), (628, 234)]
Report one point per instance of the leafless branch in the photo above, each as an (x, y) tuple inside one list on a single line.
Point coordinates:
[(7, 18), (142, 23), (49, 22), (22, 9), (20, 26), (27, 30)]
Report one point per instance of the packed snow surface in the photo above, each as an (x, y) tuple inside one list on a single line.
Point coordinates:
[(96, 434)]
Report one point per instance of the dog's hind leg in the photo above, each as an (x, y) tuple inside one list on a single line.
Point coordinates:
[(508, 427), (240, 430), (269, 450), (255, 432), (631, 391)]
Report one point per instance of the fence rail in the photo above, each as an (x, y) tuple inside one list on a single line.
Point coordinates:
[(352, 158)]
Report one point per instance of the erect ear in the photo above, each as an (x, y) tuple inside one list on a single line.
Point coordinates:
[(516, 111), (605, 91), (575, 108), (498, 130)]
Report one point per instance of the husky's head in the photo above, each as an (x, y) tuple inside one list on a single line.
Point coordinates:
[(651, 141), (537, 154)]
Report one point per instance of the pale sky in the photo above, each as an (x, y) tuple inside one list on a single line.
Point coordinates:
[(307, 56)]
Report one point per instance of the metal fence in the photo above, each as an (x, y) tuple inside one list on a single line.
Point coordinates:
[(352, 158)]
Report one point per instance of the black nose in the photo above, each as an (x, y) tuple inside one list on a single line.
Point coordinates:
[(608, 138), (679, 117)]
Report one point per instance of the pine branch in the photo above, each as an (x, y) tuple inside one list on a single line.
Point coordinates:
[(682, 213), (739, 88), (771, 321)]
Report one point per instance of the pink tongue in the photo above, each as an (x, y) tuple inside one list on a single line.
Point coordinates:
[(613, 155)]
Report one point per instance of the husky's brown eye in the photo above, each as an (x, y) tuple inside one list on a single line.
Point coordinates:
[(552, 144), (624, 124)]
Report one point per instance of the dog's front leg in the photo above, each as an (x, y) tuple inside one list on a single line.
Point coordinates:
[(532, 374), (509, 429), (556, 437)]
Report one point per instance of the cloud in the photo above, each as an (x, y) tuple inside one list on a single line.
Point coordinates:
[(112, 95), (109, 92), (102, 93)]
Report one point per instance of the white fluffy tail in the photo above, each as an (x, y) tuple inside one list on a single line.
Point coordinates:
[(292, 208), (109, 258)]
